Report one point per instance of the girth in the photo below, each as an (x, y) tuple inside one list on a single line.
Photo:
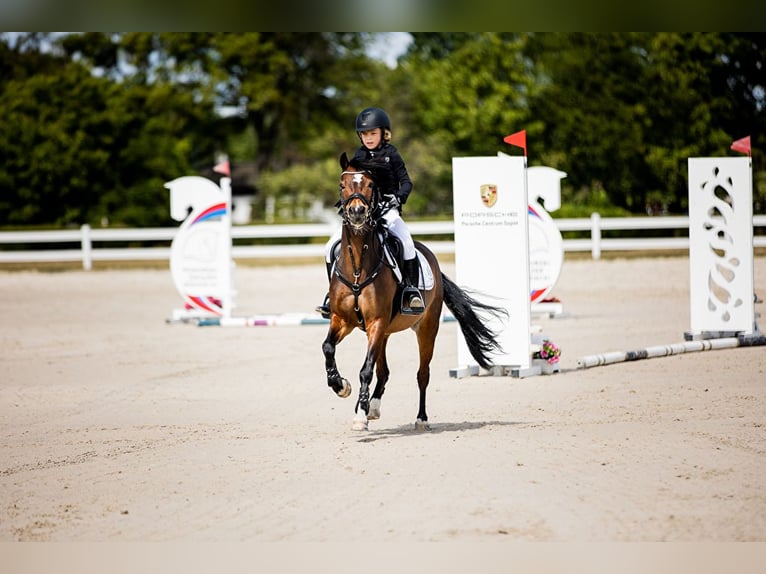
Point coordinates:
[(356, 287)]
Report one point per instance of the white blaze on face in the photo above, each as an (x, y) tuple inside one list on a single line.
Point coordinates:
[(358, 178)]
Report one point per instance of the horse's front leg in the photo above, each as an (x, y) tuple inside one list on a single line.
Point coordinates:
[(375, 343), (335, 335), (381, 373)]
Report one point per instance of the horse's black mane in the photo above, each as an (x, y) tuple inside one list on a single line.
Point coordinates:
[(381, 173)]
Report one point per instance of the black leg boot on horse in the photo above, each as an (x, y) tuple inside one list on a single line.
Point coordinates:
[(412, 300), (324, 308)]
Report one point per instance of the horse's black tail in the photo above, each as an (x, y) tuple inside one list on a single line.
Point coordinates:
[(481, 340)]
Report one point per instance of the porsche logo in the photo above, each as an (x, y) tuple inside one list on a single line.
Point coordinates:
[(488, 194)]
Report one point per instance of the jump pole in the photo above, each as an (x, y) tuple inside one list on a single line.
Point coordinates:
[(656, 351), (673, 349)]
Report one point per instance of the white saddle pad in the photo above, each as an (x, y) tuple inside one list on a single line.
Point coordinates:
[(426, 281), (426, 273)]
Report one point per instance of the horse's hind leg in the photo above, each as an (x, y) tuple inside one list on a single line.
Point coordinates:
[(382, 374), (427, 330)]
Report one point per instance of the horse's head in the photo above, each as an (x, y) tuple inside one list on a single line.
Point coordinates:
[(358, 194)]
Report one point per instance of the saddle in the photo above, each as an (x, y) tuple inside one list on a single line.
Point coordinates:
[(393, 256)]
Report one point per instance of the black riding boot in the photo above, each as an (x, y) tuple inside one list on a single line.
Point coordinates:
[(412, 300), (324, 308)]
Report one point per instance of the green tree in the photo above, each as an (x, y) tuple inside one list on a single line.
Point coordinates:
[(286, 100), (623, 112), (279, 89), (79, 148), (52, 137), (704, 92), (463, 103), (93, 124), (593, 106)]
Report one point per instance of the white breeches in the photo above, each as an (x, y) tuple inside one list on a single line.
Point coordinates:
[(395, 225)]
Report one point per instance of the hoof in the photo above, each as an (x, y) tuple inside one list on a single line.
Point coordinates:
[(359, 424), (374, 413), (346, 390), (421, 425)]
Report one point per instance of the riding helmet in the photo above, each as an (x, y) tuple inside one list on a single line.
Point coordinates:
[(371, 118)]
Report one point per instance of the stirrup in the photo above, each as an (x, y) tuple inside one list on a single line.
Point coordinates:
[(324, 311), (408, 294), (324, 308)]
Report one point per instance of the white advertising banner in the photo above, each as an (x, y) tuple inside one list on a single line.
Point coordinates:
[(721, 244), (492, 249)]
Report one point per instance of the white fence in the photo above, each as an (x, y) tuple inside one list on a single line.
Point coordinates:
[(78, 244)]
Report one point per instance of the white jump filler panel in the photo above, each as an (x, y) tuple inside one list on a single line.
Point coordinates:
[(492, 251), (200, 254), (721, 246), (546, 246)]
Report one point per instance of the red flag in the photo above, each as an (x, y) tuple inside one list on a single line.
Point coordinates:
[(742, 145), (519, 139), (223, 168)]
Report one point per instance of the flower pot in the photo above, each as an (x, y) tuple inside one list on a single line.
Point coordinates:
[(546, 367)]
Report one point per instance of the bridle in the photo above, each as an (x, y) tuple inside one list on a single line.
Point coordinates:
[(370, 203)]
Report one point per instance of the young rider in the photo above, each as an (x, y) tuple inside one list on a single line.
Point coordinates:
[(374, 130)]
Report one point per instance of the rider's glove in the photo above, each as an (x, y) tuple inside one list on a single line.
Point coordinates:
[(392, 202)]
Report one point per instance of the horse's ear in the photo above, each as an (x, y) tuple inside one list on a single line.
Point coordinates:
[(343, 161)]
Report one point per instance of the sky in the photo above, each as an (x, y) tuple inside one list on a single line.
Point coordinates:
[(388, 46)]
